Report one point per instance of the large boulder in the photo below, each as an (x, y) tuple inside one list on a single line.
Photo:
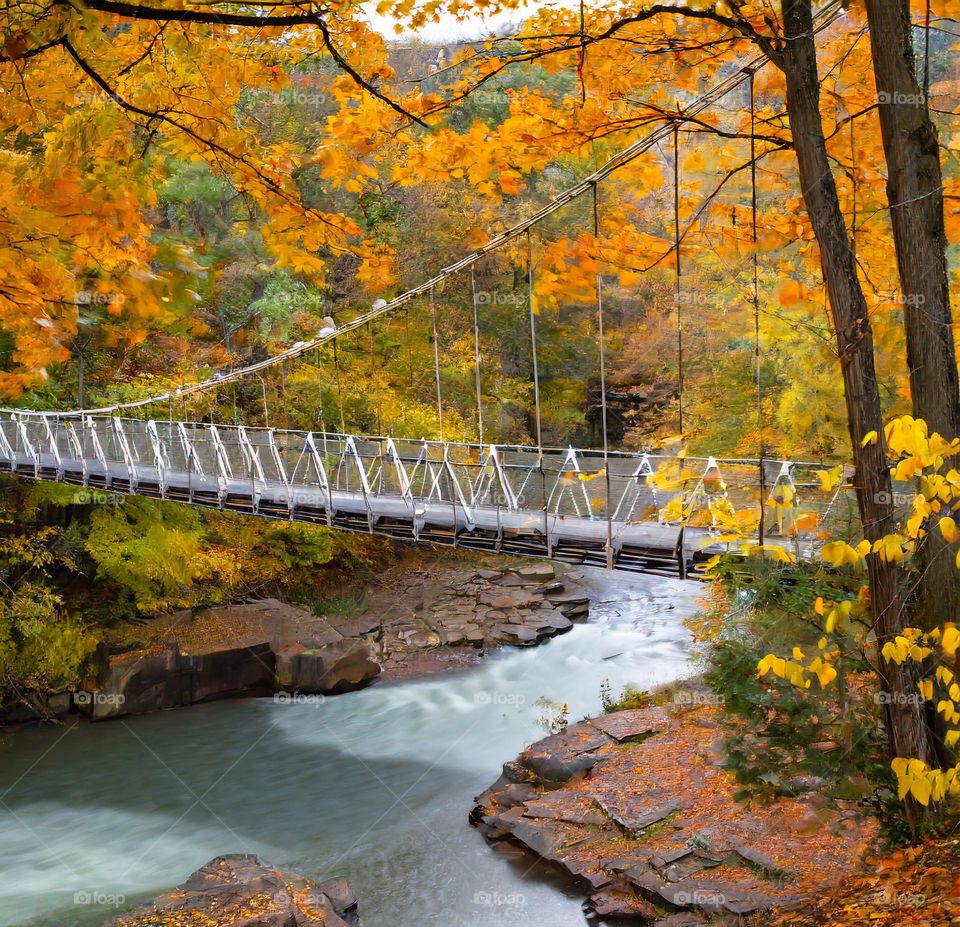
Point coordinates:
[(341, 666), (240, 891), (170, 679), (233, 650)]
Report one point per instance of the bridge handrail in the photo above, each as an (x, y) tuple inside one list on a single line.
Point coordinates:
[(344, 437)]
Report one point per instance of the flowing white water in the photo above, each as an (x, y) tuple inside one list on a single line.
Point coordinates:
[(374, 786)]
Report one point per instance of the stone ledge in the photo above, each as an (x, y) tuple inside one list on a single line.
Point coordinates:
[(241, 891), (634, 807)]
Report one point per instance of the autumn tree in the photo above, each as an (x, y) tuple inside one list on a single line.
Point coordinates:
[(915, 196)]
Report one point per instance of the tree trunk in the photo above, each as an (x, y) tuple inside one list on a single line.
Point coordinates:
[(906, 731), (915, 195)]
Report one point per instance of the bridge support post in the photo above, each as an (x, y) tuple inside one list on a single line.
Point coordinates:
[(124, 446), (54, 447), (681, 554), (7, 451), (224, 473), (351, 448), (322, 477), (28, 445), (98, 449), (158, 456)]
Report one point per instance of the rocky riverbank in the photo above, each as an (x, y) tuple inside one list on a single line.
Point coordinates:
[(425, 620), (413, 622), (636, 806), (241, 891)]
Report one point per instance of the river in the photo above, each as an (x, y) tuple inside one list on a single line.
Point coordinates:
[(374, 786)]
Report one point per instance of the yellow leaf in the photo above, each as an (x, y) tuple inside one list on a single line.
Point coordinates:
[(948, 528), (829, 478), (839, 553), (890, 548), (950, 642), (869, 438), (921, 790)]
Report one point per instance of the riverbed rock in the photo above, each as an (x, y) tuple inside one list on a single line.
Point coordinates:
[(357, 625), (241, 891), (452, 617), (539, 571), (252, 649), (171, 679), (420, 637), (634, 806), (341, 666), (610, 905)]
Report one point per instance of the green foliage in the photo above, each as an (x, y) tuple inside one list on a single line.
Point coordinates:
[(788, 739), (40, 647), (779, 593), (631, 696), (792, 741), (282, 298), (340, 606), (152, 551), (298, 547)]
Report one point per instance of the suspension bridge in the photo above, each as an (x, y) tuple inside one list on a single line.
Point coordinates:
[(644, 512), (578, 506)]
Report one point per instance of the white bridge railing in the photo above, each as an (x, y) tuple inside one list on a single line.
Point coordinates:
[(619, 510)]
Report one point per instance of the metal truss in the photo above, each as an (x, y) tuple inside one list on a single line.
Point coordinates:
[(535, 501)]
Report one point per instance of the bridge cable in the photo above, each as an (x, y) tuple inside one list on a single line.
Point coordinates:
[(603, 378), (320, 412), (677, 285), (476, 354), (336, 370), (266, 407), (406, 329), (375, 379), (436, 362), (533, 343), (535, 362), (756, 304)]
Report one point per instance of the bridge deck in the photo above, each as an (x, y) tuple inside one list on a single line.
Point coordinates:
[(574, 506)]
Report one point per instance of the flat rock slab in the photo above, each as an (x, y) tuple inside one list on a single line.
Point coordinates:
[(577, 738), (562, 806), (636, 817), (620, 906), (357, 626), (626, 725), (427, 611), (539, 571), (240, 891), (545, 838)]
